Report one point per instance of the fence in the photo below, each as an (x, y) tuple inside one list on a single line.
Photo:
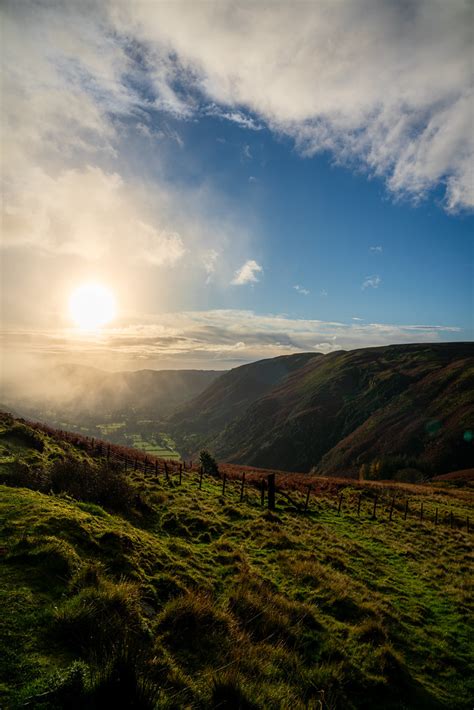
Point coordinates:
[(265, 486)]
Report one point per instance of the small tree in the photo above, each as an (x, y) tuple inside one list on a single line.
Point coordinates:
[(364, 472), (208, 463)]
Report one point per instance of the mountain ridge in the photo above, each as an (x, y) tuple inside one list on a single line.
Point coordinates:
[(413, 401)]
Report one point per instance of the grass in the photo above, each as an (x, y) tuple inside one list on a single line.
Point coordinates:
[(200, 601)]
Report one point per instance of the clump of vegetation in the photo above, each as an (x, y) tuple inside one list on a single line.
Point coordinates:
[(105, 484), (208, 463)]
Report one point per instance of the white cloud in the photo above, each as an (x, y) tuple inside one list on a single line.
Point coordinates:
[(388, 84), (376, 249), (323, 293), (300, 289), (357, 319), (247, 273), (372, 282)]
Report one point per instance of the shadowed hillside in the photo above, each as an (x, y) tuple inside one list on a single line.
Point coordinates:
[(402, 406)]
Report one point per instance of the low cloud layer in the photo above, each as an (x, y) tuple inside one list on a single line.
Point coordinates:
[(213, 340)]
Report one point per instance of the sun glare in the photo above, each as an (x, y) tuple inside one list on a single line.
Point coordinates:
[(91, 306)]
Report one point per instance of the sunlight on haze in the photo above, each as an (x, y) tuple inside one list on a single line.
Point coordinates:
[(91, 306)]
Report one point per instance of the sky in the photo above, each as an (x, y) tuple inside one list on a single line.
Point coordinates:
[(247, 179)]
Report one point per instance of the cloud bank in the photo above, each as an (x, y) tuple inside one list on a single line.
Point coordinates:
[(388, 84), (215, 339)]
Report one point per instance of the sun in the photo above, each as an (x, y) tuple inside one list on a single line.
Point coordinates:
[(91, 306)]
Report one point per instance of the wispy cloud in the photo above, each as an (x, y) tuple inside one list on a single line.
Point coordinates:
[(302, 290), (240, 118), (371, 282), (376, 249), (323, 293), (247, 152), (209, 260), (247, 273)]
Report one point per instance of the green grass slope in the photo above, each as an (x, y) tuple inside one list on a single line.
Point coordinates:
[(171, 596), (406, 405)]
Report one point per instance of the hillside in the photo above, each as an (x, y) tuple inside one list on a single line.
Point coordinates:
[(76, 392), (163, 595), (402, 406), (229, 397)]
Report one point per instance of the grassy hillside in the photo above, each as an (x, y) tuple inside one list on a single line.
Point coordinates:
[(405, 406), (170, 596), (230, 395)]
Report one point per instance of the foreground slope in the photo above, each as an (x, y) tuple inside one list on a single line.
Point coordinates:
[(402, 405), (171, 596)]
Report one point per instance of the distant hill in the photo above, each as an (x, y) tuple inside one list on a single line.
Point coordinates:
[(76, 391), (401, 406), (233, 392)]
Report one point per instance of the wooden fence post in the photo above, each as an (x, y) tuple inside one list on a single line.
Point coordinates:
[(223, 484), (391, 508), (271, 491), (201, 471), (242, 487), (374, 513), (339, 505), (406, 509), (307, 498), (262, 492)]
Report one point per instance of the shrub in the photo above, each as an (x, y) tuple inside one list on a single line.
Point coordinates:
[(30, 438), (208, 463), (22, 475), (104, 484)]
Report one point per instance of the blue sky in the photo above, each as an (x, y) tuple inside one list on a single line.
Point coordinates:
[(327, 229), (246, 180)]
